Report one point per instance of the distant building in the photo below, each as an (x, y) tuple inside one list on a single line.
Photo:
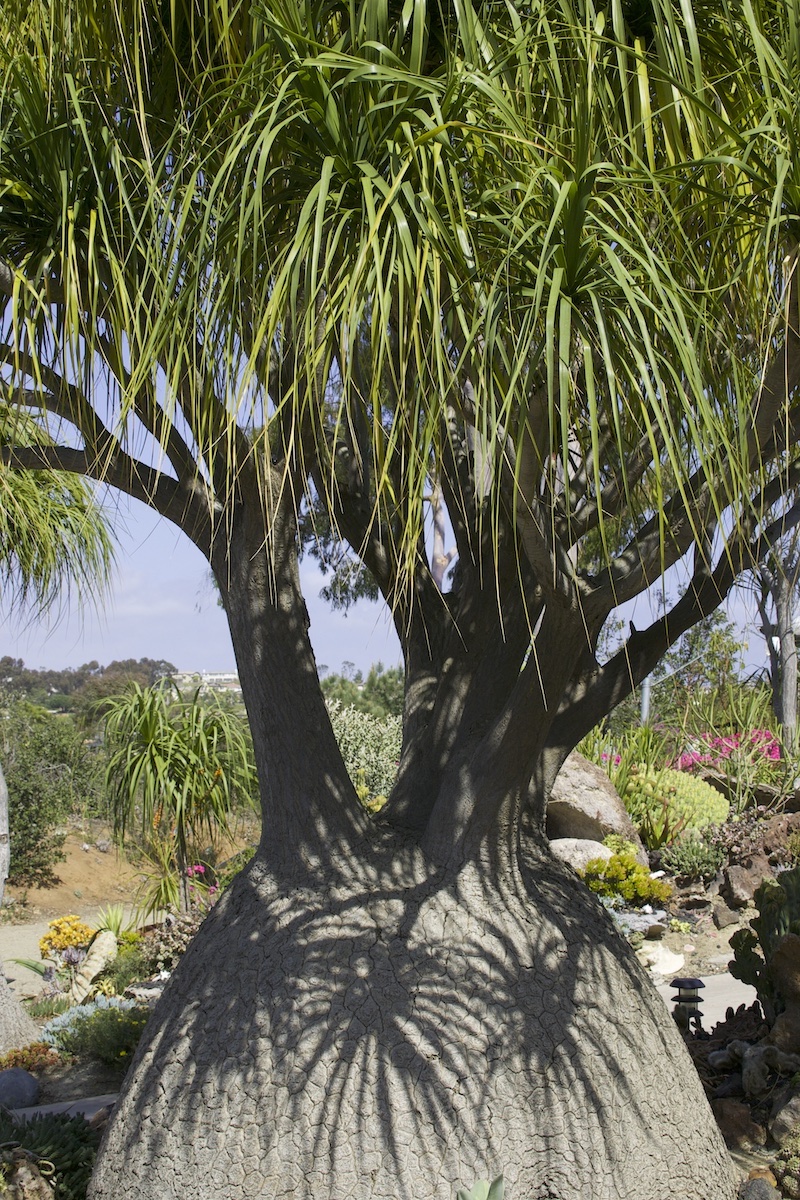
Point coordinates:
[(208, 681)]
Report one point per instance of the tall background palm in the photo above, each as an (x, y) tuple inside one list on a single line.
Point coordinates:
[(311, 265)]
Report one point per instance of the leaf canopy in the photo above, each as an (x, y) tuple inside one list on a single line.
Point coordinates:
[(543, 253)]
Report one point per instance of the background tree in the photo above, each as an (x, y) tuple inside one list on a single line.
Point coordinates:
[(50, 774), (775, 581), (380, 694), (261, 261)]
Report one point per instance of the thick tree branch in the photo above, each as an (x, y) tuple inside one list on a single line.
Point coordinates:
[(179, 504)]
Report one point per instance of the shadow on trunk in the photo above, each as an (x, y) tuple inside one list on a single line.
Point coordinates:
[(398, 1031)]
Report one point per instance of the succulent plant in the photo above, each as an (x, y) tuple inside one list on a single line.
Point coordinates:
[(663, 803), (621, 875)]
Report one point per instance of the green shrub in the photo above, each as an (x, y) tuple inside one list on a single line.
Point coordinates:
[(46, 1007), (108, 1032), (370, 748), (793, 848), (50, 773), (69, 1143), (621, 875), (663, 803), (786, 1167), (130, 966), (691, 857), (617, 844)]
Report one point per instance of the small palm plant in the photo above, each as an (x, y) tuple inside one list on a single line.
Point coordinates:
[(178, 768)]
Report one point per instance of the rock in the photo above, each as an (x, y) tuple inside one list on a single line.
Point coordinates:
[(149, 991), (103, 845), (23, 1179), (732, 1086), (741, 880), (785, 1033), (18, 1088), (784, 967), (723, 916), (100, 1119), (758, 1189), (638, 922), (102, 951), (585, 804), (785, 1121), (763, 1173), (659, 959), (775, 834), (737, 1126), (656, 931), (579, 851)]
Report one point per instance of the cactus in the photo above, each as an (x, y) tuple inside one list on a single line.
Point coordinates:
[(663, 803), (778, 904)]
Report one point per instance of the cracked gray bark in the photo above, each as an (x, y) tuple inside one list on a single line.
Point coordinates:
[(377, 1012), (395, 1030)]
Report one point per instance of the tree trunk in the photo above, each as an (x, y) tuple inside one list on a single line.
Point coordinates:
[(389, 1031), (784, 612), (373, 1015), (17, 1029)]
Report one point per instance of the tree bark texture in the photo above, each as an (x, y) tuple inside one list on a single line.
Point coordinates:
[(397, 1030)]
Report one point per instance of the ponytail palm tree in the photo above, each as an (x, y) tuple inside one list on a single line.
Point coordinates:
[(281, 267), (177, 767), (53, 539)]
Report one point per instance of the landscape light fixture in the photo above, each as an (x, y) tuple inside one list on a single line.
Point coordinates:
[(687, 1002)]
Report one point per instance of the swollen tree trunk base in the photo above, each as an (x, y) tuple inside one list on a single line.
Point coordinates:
[(400, 1033)]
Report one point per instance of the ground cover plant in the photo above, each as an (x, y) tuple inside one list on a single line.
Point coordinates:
[(301, 274), (63, 1146)]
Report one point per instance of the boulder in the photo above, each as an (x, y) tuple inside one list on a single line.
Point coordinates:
[(584, 804), (579, 851), (758, 1189), (741, 880), (102, 951), (785, 1121), (776, 833), (660, 959), (18, 1088), (723, 916)]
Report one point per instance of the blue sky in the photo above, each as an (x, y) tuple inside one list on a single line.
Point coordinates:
[(162, 605)]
